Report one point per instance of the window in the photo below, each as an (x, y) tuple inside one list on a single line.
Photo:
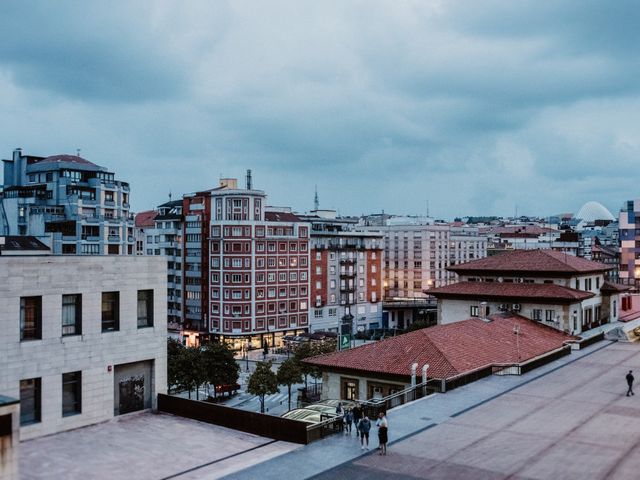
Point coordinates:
[(30, 318), (71, 314), (537, 314), (71, 393), (474, 310), (110, 311), (30, 394), (317, 313), (549, 315), (145, 308)]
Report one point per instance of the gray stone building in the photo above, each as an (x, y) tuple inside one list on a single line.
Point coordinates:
[(81, 338), (72, 204)]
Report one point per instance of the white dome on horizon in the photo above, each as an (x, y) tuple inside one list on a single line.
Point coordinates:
[(592, 211)]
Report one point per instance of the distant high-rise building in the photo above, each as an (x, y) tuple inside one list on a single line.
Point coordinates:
[(76, 206)]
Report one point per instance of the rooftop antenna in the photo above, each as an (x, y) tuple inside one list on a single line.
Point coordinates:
[(249, 179), (427, 207), (78, 152), (316, 200), (169, 195)]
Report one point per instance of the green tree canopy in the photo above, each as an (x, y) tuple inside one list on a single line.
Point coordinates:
[(220, 366), (262, 382), (288, 374)]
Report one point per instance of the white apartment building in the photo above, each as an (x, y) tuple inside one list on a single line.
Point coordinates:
[(81, 338), (417, 254)]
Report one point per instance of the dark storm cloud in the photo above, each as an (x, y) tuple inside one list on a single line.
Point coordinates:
[(474, 106), (87, 51)]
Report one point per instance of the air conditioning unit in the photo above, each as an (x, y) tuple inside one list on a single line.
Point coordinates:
[(516, 307), (503, 307)]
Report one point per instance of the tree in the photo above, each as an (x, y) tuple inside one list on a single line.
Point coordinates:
[(311, 349), (220, 366), (288, 374), (417, 325), (262, 382), (193, 370), (174, 364)]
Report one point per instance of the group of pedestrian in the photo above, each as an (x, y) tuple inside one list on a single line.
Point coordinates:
[(357, 417)]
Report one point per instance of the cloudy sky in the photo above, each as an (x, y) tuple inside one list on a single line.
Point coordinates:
[(475, 107)]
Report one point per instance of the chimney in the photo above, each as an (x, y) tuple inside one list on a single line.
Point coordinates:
[(414, 370), (249, 179), (483, 311)]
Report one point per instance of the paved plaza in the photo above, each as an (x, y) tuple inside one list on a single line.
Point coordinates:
[(567, 420), (145, 446)]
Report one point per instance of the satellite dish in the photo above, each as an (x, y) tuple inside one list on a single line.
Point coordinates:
[(500, 279)]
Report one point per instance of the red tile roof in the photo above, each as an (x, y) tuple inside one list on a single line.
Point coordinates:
[(146, 219), (531, 262), (611, 287), (451, 349), (547, 291)]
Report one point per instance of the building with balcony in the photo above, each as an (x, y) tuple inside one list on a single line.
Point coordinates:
[(83, 338), (629, 225), (74, 205), (346, 274), (245, 268), (557, 289), (159, 232)]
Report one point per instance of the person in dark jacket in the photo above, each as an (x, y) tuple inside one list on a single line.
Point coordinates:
[(630, 380), (364, 425)]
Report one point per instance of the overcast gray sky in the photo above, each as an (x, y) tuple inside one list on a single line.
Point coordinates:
[(475, 106)]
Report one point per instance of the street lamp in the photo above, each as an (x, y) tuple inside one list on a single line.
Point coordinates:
[(246, 353)]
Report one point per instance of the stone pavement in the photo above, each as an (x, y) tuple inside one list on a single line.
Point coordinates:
[(145, 446), (568, 419)]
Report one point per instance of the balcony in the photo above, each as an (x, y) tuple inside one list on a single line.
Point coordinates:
[(113, 238)]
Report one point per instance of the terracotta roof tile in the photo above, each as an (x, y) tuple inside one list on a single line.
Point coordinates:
[(146, 219), (531, 262), (450, 349), (509, 290)]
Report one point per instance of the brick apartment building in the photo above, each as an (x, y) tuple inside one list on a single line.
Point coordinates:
[(245, 268)]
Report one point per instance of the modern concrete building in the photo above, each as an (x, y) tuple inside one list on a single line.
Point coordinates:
[(560, 290), (77, 206), (246, 268), (346, 274), (82, 338)]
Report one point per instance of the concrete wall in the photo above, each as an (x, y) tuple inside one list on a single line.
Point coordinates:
[(94, 353)]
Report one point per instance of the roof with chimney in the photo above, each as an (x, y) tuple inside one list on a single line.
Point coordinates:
[(510, 291), (532, 263), (450, 350)]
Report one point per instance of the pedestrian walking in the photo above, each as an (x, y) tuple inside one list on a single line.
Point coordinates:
[(363, 426), (630, 380), (339, 409), (383, 432), (348, 421), (357, 415)]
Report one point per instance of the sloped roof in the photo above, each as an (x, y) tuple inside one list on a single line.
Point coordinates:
[(21, 243), (451, 349), (146, 219), (531, 262), (66, 158), (281, 217), (547, 291), (610, 287)]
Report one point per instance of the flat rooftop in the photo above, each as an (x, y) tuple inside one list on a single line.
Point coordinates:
[(145, 446), (567, 420)]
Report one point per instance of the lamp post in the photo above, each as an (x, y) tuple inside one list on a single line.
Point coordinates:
[(246, 353)]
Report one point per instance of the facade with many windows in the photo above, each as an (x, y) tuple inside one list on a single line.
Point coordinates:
[(245, 268), (159, 232), (84, 338), (346, 274), (77, 206)]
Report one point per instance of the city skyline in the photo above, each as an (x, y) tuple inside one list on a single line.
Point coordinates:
[(418, 99)]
